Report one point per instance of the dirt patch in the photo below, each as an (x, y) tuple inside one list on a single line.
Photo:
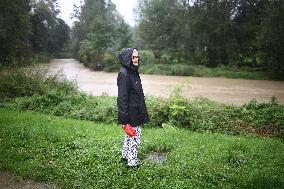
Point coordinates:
[(156, 157), (270, 130), (7, 181)]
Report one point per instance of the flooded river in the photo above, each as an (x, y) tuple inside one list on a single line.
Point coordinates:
[(229, 91)]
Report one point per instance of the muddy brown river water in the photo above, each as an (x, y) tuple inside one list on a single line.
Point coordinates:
[(229, 91)]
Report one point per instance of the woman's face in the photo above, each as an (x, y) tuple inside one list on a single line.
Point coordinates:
[(135, 57)]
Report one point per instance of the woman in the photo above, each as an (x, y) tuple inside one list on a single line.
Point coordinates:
[(132, 111)]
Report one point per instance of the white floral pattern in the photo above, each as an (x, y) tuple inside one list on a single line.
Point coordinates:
[(130, 147)]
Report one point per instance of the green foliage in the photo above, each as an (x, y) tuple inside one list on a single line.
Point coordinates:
[(211, 33), (158, 110), (197, 115), (202, 71), (179, 114), (229, 72), (99, 30), (50, 34), (59, 37), (91, 51), (167, 69), (20, 82), (111, 62), (15, 31), (76, 106), (157, 26), (146, 57), (41, 58), (270, 38), (268, 117), (29, 28), (81, 154), (37, 91)]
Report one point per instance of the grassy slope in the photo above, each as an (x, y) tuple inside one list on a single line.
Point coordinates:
[(82, 154)]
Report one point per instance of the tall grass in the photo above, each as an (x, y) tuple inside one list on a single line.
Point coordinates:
[(82, 154)]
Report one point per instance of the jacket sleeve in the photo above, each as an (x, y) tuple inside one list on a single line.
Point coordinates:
[(122, 99)]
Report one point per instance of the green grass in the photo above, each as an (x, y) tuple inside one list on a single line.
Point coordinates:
[(82, 154)]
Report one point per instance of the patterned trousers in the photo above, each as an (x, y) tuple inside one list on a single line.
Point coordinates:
[(130, 147)]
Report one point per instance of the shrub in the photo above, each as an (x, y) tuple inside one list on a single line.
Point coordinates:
[(158, 109), (147, 57), (167, 69), (77, 106), (55, 96), (265, 119), (111, 62), (19, 82), (180, 114), (268, 118), (201, 71)]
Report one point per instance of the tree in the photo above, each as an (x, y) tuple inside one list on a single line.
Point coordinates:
[(99, 29), (43, 22), (210, 25), (157, 26), (209, 32), (245, 25), (270, 38), (15, 31), (59, 37)]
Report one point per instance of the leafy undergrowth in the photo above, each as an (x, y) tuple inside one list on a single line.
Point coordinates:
[(52, 94), (203, 71), (82, 154)]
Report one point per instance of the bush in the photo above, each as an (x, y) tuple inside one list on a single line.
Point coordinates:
[(158, 110), (113, 65), (77, 106), (52, 95), (111, 62), (167, 69), (147, 57), (180, 109), (228, 72), (268, 118), (265, 119), (19, 82), (201, 71)]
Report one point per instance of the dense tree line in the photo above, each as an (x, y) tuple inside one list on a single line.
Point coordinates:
[(29, 28), (99, 31), (203, 32), (214, 32)]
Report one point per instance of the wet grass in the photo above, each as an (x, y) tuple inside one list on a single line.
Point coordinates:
[(82, 154)]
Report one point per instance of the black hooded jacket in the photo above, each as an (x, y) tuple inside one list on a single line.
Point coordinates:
[(130, 101)]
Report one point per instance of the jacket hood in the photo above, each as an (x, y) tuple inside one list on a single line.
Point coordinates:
[(125, 58)]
